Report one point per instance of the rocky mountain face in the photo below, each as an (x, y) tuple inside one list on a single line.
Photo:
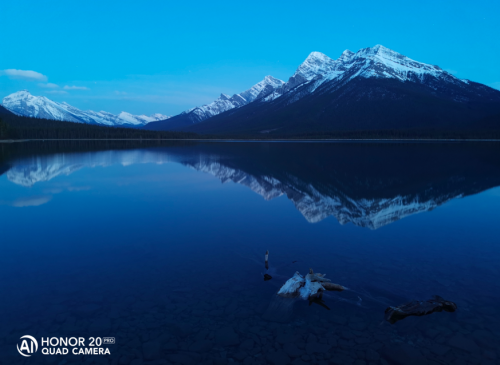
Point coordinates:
[(24, 104), (220, 105), (373, 89)]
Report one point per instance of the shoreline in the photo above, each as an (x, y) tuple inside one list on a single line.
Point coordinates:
[(13, 140), (235, 140)]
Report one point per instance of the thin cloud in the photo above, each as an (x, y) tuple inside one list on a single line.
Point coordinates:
[(49, 86), (79, 188), (60, 92), (75, 87), (24, 75), (53, 191), (33, 201)]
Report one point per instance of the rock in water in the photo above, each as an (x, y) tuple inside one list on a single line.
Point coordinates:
[(291, 288), (419, 308), (310, 286)]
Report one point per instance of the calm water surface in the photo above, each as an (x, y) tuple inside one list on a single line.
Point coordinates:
[(162, 247)]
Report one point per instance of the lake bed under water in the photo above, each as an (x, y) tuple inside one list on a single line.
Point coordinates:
[(161, 246)]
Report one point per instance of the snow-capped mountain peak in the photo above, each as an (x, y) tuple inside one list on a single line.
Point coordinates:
[(346, 55), (377, 61), (24, 104), (315, 56), (315, 64), (317, 67), (225, 102), (382, 62), (261, 89), (344, 79)]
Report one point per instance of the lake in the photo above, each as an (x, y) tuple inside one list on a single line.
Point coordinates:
[(161, 245)]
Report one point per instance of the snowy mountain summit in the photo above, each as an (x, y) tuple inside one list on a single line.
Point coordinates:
[(24, 104), (374, 88), (225, 102), (375, 62)]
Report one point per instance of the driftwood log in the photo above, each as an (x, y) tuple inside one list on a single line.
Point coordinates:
[(266, 260), (419, 308), (266, 264)]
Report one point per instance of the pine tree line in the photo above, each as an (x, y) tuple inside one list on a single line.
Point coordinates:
[(17, 127)]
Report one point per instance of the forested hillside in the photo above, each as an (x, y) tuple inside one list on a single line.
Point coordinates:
[(17, 127)]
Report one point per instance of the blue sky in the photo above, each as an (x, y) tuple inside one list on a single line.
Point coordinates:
[(167, 56)]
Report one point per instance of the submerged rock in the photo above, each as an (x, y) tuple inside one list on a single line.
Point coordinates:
[(309, 287), (419, 308), (291, 287)]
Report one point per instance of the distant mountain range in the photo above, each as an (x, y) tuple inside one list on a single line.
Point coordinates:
[(373, 89), (24, 104)]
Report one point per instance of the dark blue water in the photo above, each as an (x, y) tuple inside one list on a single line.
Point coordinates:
[(162, 247)]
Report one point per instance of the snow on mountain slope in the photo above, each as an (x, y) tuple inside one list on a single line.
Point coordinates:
[(317, 66), (226, 102), (24, 104), (377, 61), (383, 62), (127, 118)]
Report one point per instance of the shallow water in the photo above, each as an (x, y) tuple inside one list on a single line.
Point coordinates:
[(144, 243)]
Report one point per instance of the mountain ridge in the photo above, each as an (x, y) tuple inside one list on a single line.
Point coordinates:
[(222, 104), (374, 88), (23, 103)]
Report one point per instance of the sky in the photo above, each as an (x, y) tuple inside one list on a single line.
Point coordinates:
[(148, 57)]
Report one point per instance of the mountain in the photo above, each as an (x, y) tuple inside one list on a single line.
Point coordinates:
[(24, 104), (4, 111), (220, 105), (371, 90)]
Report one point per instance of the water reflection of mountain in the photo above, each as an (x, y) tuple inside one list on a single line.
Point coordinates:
[(29, 171), (369, 185), (315, 206)]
